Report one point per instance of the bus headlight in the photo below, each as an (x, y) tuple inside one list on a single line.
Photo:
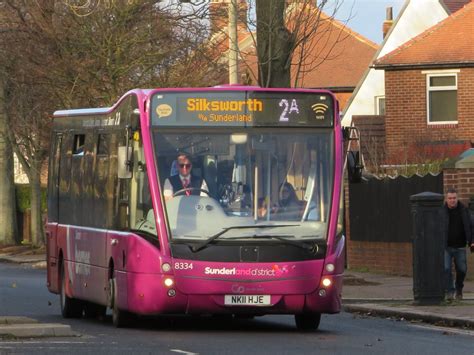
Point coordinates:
[(330, 267), (326, 282), (169, 282), (166, 267)]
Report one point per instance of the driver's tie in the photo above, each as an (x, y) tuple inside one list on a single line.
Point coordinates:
[(185, 185)]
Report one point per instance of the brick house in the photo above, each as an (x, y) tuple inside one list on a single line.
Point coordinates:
[(414, 18), (429, 103), (429, 92)]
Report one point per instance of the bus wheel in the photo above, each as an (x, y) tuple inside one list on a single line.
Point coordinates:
[(120, 318), (70, 307), (307, 322), (94, 310)]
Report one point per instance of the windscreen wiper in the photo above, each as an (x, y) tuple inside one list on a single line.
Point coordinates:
[(284, 238), (209, 240)]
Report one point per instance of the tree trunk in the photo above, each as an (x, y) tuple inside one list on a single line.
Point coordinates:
[(37, 231), (274, 44), (8, 227)]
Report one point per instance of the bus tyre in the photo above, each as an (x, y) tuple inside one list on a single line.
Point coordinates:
[(70, 307), (307, 322), (120, 318)]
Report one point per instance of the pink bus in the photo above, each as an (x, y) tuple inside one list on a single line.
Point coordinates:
[(263, 235)]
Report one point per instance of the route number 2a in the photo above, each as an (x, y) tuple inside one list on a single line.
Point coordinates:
[(183, 266), (288, 108)]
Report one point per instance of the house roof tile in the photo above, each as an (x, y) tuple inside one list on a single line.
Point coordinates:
[(341, 57), (451, 41), (338, 57), (455, 5)]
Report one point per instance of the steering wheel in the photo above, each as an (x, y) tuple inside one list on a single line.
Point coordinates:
[(183, 191)]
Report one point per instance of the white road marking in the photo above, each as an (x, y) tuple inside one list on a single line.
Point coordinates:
[(183, 352)]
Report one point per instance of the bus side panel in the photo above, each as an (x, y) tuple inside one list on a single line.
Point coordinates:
[(117, 251), (137, 269), (90, 265), (83, 253), (148, 295), (52, 258), (332, 302)]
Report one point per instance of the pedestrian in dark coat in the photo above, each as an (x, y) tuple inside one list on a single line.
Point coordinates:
[(458, 233)]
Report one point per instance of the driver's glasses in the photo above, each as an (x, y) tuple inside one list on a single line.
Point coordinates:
[(185, 166)]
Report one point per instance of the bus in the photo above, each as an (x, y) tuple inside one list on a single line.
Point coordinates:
[(115, 242)]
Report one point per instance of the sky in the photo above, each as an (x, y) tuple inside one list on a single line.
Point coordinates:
[(367, 16)]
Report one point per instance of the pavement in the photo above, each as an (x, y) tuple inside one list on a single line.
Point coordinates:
[(392, 296), (364, 293)]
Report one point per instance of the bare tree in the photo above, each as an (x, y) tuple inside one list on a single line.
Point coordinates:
[(67, 56), (8, 227), (294, 38)]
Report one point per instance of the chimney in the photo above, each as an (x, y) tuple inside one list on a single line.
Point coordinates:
[(388, 21), (219, 15)]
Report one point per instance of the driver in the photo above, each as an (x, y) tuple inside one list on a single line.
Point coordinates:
[(189, 183)]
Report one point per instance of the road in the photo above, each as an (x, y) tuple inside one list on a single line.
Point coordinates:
[(23, 293)]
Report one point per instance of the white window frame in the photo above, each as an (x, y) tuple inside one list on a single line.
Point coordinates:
[(429, 89), (377, 104)]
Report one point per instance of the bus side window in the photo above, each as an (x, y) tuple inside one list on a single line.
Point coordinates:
[(77, 193), (102, 144), (53, 179), (78, 147), (121, 218), (87, 180), (105, 183), (64, 210), (140, 198)]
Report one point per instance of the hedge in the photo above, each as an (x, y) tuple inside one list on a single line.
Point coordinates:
[(23, 197)]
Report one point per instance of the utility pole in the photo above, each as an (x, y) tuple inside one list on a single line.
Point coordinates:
[(233, 43)]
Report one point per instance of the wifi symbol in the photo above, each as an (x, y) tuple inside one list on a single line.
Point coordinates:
[(319, 108)]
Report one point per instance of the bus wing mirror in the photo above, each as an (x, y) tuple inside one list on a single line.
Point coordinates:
[(124, 162), (355, 167), (346, 133)]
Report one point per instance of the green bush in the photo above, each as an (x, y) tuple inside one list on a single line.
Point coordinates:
[(23, 197)]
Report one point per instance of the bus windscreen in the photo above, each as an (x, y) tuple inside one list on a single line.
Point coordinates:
[(242, 108)]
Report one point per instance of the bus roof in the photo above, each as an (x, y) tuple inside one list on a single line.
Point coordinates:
[(100, 110), (144, 93), (83, 111)]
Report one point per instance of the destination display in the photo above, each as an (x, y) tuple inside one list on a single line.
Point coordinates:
[(242, 108)]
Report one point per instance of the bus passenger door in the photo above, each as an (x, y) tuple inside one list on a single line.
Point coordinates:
[(53, 214)]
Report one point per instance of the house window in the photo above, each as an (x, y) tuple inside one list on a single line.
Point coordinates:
[(442, 93), (380, 105)]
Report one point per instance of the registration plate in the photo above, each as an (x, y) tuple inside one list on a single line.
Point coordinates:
[(247, 300)]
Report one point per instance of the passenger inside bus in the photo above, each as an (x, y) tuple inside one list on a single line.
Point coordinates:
[(290, 207), (262, 209), (184, 183)]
